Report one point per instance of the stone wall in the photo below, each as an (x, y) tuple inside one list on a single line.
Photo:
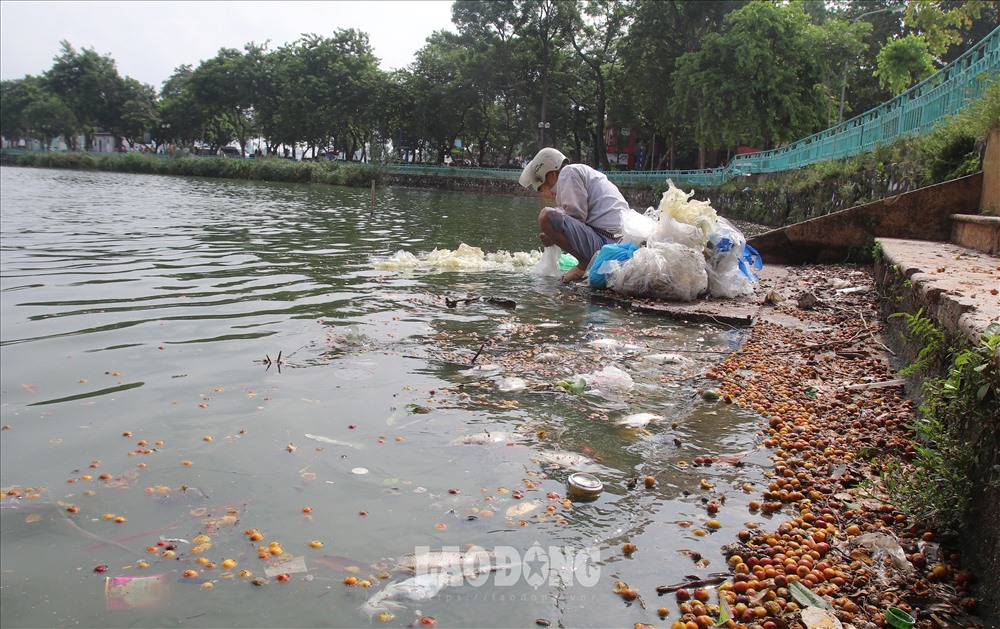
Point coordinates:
[(777, 200), (773, 200)]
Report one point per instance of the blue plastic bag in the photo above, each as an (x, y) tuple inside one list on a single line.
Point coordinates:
[(749, 261), (608, 253)]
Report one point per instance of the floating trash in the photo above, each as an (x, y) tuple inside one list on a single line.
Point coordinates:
[(359, 471), (332, 442), (135, 592), (638, 420), (486, 438), (509, 385), (584, 486)]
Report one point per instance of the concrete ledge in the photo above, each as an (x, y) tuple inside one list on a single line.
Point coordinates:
[(956, 287), (981, 233), (923, 214)]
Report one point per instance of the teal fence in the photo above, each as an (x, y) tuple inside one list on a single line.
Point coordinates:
[(914, 112)]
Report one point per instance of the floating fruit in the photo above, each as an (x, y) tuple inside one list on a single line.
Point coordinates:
[(228, 563), (316, 544), (628, 548)]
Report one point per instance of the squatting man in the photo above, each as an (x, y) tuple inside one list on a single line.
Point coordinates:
[(588, 207)]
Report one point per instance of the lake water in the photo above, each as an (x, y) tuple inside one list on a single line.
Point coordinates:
[(143, 399)]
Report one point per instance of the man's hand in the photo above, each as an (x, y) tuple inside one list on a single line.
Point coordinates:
[(574, 275)]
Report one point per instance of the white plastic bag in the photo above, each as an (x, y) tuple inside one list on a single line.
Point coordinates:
[(669, 230), (724, 252), (548, 264), (636, 228), (677, 204), (661, 270), (611, 382)]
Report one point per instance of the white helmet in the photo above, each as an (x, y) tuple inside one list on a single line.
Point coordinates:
[(547, 160)]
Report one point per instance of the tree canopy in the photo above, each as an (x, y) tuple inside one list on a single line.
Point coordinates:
[(692, 80)]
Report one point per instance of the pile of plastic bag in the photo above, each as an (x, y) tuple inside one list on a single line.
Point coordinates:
[(678, 251)]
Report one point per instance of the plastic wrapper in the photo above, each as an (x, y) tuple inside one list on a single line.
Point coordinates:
[(732, 263), (548, 264), (567, 262), (669, 230), (603, 259), (135, 592), (610, 382), (637, 228), (667, 271), (677, 204)]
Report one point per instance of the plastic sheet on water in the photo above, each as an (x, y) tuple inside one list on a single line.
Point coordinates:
[(464, 258)]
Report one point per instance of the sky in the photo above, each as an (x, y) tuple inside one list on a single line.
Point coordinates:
[(148, 40)]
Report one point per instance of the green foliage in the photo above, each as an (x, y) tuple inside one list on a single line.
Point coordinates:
[(330, 172), (903, 63), (924, 333), (960, 413)]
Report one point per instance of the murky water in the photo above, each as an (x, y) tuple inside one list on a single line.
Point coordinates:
[(142, 321)]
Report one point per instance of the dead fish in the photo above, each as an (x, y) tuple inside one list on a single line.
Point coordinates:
[(662, 359), (332, 442), (508, 385), (419, 588), (638, 420), (523, 508), (547, 357), (571, 460), (470, 562), (485, 438), (483, 370), (605, 344)]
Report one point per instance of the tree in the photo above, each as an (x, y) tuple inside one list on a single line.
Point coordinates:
[(756, 82), (49, 118), (904, 62), (595, 39), (529, 47), (328, 87), (443, 95), (223, 87), (660, 33), (89, 85), (139, 113), (182, 120)]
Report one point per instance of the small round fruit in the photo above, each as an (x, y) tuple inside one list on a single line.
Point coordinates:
[(628, 548)]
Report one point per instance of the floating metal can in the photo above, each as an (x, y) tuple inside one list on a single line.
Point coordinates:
[(584, 486)]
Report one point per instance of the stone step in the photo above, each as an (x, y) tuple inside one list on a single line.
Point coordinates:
[(958, 287), (976, 231)]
